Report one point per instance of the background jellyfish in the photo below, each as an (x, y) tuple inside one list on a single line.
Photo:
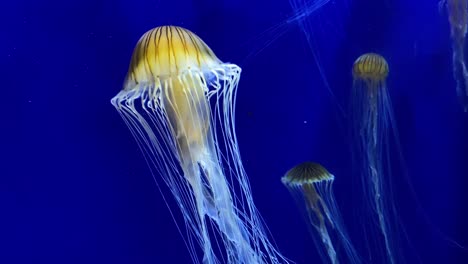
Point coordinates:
[(311, 186), (458, 17), (178, 102), (372, 127)]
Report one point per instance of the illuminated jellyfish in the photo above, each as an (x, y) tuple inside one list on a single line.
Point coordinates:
[(178, 102), (458, 18), (372, 129), (311, 186)]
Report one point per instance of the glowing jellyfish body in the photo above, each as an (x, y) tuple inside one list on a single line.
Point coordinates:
[(178, 102), (372, 127), (311, 186), (458, 18)]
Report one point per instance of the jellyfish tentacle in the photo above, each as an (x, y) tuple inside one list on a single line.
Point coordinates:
[(458, 18), (310, 184)]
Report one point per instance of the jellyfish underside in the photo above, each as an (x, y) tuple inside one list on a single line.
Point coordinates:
[(458, 19), (373, 124), (178, 103), (311, 186)]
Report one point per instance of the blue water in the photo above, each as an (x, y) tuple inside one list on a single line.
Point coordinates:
[(74, 187)]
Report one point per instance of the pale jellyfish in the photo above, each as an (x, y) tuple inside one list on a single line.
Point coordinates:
[(178, 102), (458, 17), (311, 186)]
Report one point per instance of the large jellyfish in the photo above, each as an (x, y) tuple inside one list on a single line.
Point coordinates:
[(458, 17), (178, 102), (373, 126), (311, 186)]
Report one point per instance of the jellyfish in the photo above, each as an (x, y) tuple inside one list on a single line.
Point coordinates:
[(458, 17), (311, 186), (373, 127), (178, 102)]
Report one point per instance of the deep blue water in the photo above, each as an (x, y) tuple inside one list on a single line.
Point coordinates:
[(74, 187)]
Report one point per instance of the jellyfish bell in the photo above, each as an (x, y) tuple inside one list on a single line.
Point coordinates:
[(370, 73), (371, 68), (178, 67), (178, 102), (310, 184)]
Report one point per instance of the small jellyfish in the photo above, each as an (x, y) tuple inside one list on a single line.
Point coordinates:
[(178, 102), (458, 17), (311, 186), (372, 129)]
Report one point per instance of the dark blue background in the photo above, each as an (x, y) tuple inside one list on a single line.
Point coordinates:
[(75, 189)]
